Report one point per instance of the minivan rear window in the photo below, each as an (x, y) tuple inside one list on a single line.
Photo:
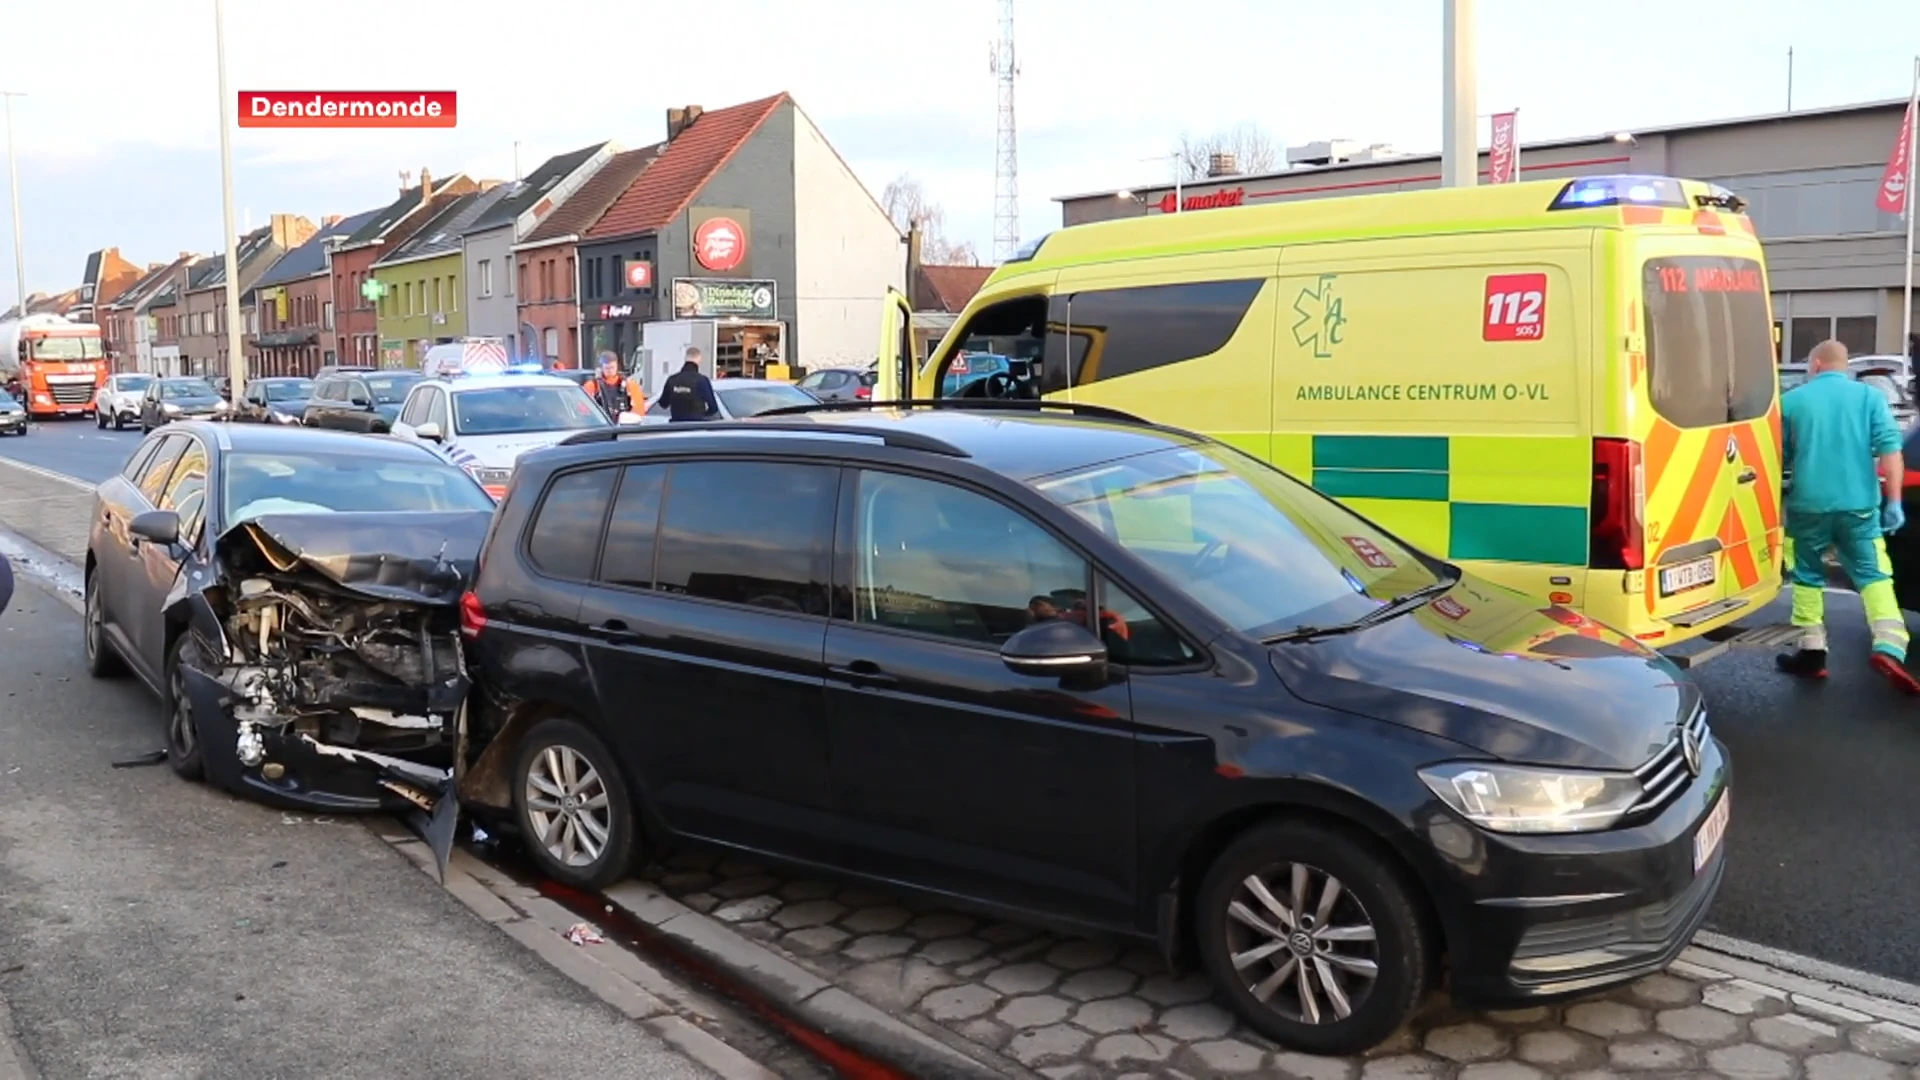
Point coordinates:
[(1709, 340)]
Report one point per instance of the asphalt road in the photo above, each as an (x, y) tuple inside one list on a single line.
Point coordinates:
[(1825, 861), (155, 928)]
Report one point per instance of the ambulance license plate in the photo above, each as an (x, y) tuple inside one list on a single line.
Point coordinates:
[(1692, 574), (1712, 831)]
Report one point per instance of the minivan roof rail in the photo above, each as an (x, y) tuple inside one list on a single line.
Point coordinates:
[(1095, 412), (905, 440)]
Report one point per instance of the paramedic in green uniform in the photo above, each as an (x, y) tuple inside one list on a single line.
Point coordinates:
[(1837, 430)]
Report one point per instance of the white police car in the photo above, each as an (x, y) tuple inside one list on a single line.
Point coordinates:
[(483, 423)]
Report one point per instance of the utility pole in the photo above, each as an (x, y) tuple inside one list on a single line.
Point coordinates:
[(13, 187), (1006, 196), (236, 350), (1460, 131), (1789, 78)]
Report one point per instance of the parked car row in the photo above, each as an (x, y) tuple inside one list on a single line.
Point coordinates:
[(1051, 662)]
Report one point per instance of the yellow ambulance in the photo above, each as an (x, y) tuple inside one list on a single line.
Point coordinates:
[(1568, 387)]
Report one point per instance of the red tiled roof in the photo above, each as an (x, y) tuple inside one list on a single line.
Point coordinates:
[(948, 288), (581, 209), (665, 189)]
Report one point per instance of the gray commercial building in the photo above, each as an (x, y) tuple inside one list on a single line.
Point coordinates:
[(492, 308), (1810, 179)]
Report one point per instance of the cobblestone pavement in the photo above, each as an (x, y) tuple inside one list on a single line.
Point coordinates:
[(1079, 1009)]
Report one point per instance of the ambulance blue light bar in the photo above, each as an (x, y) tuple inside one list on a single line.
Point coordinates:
[(1589, 192)]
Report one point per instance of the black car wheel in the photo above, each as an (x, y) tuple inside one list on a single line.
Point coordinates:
[(183, 741), (572, 805), (1314, 940), (100, 420), (102, 661)]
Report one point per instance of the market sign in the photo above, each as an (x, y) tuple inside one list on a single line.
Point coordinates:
[(715, 298), (719, 239), (1212, 200)]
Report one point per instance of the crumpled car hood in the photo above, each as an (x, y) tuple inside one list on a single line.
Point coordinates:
[(417, 557)]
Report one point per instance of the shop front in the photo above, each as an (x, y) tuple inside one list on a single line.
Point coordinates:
[(613, 327), (749, 334)]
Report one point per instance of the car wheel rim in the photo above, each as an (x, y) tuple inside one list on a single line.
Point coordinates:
[(1302, 944), (93, 620), (567, 806), (180, 723)]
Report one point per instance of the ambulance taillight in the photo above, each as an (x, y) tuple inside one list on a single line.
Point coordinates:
[(1617, 540)]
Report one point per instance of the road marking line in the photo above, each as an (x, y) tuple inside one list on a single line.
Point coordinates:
[(63, 478), (1865, 983)]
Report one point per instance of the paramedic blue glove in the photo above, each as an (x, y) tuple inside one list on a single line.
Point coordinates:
[(1893, 517)]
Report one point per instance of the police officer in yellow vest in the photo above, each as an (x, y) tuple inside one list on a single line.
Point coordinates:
[(1837, 431)]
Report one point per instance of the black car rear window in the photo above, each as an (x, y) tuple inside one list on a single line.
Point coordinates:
[(1710, 353)]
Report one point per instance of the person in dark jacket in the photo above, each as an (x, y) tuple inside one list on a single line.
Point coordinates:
[(610, 390), (689, 393), (6, 583)]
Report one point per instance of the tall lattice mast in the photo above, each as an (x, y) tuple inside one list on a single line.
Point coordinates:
[(1006, 196)]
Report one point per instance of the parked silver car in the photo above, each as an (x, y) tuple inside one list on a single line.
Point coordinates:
[(741, 398), (118, 401)]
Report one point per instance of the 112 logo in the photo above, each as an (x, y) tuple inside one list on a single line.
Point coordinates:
[(1515, 308)]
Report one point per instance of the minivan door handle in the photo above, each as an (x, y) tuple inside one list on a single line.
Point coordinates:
[(863, 673), (617, 631), (1748, 476)]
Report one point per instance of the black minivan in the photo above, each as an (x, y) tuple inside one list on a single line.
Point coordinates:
[(1064, 664)]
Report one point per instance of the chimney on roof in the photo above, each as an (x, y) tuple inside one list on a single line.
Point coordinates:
[(186, 255), (330, 221), (1221, 164), (680, 119), (426, 184)]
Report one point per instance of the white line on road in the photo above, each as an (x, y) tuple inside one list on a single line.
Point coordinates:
[(49, 474)]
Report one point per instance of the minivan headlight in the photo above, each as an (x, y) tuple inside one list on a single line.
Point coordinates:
[(1525, 799)]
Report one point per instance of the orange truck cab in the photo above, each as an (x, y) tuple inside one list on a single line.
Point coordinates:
[(60, 365)]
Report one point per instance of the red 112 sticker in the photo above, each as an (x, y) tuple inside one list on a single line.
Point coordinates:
[(1515, 308), (1369, 553)]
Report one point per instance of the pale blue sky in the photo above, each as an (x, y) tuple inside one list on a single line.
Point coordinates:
[(118, 140)]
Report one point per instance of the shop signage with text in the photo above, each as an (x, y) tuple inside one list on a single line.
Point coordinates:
[(1210, 201), (616, 311), (712, 298), (639, 275)]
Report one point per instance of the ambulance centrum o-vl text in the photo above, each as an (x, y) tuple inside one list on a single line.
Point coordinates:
[(1567, 387)]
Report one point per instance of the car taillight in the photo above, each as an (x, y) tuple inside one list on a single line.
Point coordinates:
[(473, 615), (864, 393), (1619, 488)]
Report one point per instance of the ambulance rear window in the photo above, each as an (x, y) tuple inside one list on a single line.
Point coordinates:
[(1709, 340)]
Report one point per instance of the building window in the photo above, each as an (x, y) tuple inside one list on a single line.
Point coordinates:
[(326, 315), (439, 304), (485, 271), (523, 278), (453, 294), (552, 343), (1859, 333), (423, 297), (571, 288)]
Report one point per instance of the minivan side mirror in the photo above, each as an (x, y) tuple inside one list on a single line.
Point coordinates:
[(429, 431), (1058, 648), (359, 400), (159, 526)]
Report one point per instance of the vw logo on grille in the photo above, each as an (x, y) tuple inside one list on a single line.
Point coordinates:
[(1691, 750)]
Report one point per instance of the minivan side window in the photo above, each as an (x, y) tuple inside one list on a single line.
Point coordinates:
[(186, 491), (565, 536), (437, 410), (627, 558), (1116, 332), (1133, 634), (933, 558), (749, 532), (415, 412)]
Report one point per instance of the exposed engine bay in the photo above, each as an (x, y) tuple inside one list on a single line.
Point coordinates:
[(328, 672)]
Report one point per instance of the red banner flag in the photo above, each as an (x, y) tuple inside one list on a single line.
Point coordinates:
[(1503, 157), (1893, 182)]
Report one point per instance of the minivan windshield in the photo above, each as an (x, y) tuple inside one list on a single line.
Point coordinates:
[(187, 388), (132, 384), (1265, 553)]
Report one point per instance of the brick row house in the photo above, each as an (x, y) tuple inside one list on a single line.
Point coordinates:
[(351, 260), (108, 274), (203, 345), (492, 291), (116, 318), (294, 305), (544, 274)]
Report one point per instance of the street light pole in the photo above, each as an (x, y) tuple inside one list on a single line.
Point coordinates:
[(1460, 133), (236, 353), (13, 187)]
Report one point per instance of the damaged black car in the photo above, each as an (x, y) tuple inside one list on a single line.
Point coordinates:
[(292, 597)]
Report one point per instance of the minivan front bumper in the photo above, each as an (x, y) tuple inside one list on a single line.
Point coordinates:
[(1545, 917)]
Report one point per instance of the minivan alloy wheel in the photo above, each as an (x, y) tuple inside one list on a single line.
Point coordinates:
[(1304, 945), (568, 807)]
